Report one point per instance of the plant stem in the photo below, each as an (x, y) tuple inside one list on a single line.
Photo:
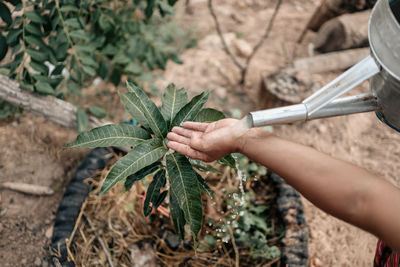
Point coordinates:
[(237, 259)]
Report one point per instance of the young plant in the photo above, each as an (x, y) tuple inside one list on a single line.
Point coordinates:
[(150, 154)]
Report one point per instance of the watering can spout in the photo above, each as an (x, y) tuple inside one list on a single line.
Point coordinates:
[(382, 66), (289, 114)]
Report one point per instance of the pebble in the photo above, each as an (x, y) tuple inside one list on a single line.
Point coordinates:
[(1, 228), (221, 92), (37, 262), (49, 232), (243, 48)]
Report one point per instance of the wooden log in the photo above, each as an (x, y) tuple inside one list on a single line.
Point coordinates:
[(333, 8), (330, 9), (343, 32), (49, 107), (334, 61)]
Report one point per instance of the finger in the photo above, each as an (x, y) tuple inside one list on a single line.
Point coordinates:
[(178, 138), (197, 126), (187, 150), (182, 131)]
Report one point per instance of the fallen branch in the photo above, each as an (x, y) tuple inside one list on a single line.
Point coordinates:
[(30, 189), (243, 68), (49, 107), (334, 61)]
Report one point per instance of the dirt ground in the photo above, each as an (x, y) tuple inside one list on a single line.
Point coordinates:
[(29, 147)]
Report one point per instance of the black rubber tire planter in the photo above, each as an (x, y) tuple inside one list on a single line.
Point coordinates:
[(294, 244)]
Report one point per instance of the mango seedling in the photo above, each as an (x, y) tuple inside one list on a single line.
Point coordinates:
[(150, 154)]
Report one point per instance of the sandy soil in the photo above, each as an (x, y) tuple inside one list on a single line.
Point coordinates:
[(28, 151)]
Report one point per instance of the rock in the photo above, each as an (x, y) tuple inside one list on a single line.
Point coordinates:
[(144, 256), (221, 92), (49, 232), (172, 241), (37, 262), (24, 261), (243, 48)]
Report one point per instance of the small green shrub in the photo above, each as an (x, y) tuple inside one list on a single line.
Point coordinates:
[(57, 45), (150, 154)]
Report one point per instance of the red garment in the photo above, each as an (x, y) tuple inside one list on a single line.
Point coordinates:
[(385, 257)]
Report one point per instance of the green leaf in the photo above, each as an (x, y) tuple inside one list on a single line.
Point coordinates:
[(184, 186), (14, 2), (82, 120), (69, 8), (39, 67), (133, 68), (136, 100), (172, 101), (89, 70), (160, 199), (88, 61), (191, 109), (79, 35), (153, 192), (201, 166), (5, 14), (141, 174), (177, 215), (111, 135), (98, 112), (34, 41), (3, 47), (203, 185), (33, 29), (142, 155), (73, 23), (13, 35), (209, 115), (35, 17), (228, 161), (165, 8), (37, 55), (149, 8), (44, 88)]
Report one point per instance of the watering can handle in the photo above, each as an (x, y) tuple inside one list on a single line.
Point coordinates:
[(354, 76)]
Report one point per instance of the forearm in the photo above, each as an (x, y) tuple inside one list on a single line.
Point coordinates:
[(339, 188)]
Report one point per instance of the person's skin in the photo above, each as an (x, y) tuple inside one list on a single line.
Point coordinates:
[(342, 189)]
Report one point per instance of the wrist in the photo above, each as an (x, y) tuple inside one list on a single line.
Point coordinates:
[(244, 140)]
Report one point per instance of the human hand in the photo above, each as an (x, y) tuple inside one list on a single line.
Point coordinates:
[(205, 141)]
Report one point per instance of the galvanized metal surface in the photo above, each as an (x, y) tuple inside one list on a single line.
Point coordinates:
[(289, 114)]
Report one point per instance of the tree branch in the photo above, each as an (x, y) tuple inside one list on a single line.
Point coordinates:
[(244, 68), (224, 44), (261, 41)]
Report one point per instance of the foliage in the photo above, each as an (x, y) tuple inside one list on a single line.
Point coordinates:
[(250, 229), (54, 46), (150, 154)]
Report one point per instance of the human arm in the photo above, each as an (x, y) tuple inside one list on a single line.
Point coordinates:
[(339, 188)]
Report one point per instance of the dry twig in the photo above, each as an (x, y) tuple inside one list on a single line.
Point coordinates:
[(244, 68), (110, 262), (234, 247)]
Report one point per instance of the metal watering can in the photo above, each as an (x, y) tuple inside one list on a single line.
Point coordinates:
[(382, 66)]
